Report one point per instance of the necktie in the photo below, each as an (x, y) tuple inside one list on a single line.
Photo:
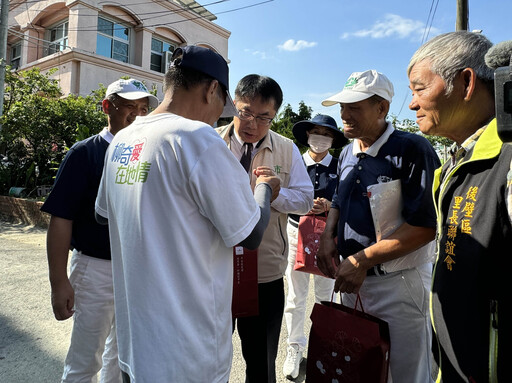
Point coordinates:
[(246, 156)]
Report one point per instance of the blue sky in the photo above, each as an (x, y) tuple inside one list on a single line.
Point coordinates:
[(311, 47)]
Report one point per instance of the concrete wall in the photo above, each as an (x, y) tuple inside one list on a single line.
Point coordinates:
[(23, 210)]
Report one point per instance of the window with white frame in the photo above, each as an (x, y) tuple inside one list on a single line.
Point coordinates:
[(56, 38), (15, 56), (158, 54), (113, 40)]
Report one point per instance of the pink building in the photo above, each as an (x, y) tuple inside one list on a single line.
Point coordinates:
[(93, 41)]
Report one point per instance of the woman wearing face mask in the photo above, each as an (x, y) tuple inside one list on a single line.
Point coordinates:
[(320, 134)]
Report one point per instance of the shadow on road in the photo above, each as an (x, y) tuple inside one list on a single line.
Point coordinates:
[(10, 228), (24, 358), (33, 344)]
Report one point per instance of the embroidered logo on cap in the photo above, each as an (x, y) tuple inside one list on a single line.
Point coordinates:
[(351, 82), (139, 85)]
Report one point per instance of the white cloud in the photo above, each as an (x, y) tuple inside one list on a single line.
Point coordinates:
[(393, 26), (260, 54), (292, 45)]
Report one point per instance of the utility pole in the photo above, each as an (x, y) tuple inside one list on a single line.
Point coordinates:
[(461, 23), (4, 20)]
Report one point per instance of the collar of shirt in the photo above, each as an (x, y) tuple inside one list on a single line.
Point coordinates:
[(106, 135), (237, 145), (309, 161), (471, 140), (458, 152), (373, 150)]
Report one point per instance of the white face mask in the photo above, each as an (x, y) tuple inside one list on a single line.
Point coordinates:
[(318, 143)]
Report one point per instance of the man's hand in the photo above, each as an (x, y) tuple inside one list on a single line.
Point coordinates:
[(273, 181), (320, 205), (349, 276), (58, 240), (327, 253), (263, 171), (63, 300), (327, 256)]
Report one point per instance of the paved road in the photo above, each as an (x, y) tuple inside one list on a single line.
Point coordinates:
[(33, 344)]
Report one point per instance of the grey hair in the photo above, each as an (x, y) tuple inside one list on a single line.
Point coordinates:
[(452, 52)]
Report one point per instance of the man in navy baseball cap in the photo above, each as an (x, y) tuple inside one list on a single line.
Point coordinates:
[(206, 61), (170, 168)]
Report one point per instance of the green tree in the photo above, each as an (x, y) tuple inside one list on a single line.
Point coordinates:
[(440, 144), (39, 127), (304, 112), (282, 124), (284, 121)]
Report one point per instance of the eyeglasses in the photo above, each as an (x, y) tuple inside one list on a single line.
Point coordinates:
[(247, 116)]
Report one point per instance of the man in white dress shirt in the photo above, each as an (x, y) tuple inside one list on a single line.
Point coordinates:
[(257, 100)]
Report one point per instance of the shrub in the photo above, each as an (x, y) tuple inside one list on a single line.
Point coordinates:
[(39, 126)]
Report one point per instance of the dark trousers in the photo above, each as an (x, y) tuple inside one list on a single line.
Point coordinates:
[(259, 334), (126, 377)]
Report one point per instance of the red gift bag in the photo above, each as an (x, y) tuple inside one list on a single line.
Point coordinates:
[(245, 282), (347, 345), (311, 228)]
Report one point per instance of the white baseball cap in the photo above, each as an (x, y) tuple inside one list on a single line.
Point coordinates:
[(131, 89), (362, 85)]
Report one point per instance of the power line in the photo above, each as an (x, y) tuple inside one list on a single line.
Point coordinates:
[(44, 41), (431, 21), (65, 11), (124, 4), (35, 44), (424, 38), (426, 24), (164, 13), (94, 28)]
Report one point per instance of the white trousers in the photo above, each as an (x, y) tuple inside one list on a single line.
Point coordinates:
[(402, 299), (93, 338), (298, 286)]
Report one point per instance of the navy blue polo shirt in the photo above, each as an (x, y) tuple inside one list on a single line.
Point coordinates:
[(323, 176), (74, 193), (396, 155)]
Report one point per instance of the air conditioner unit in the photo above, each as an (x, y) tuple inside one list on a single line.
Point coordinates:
[(166, 60)]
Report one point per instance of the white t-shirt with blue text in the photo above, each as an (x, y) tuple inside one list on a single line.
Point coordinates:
[(176, 200)]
